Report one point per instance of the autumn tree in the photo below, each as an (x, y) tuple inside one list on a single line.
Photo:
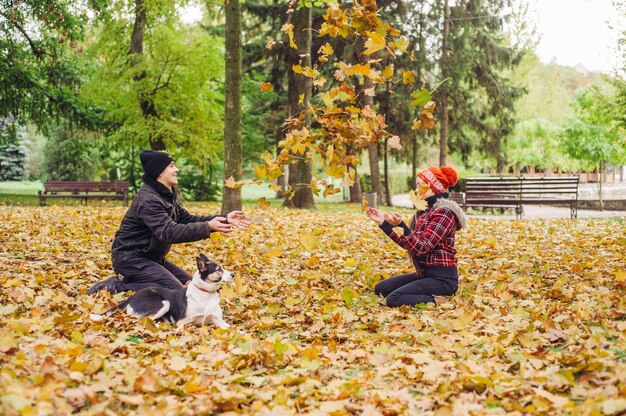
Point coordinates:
[(340, 126)]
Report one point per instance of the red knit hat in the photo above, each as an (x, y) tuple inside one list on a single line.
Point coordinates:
[(439, 179)]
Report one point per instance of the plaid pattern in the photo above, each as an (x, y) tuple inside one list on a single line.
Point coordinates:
[(430, 240)]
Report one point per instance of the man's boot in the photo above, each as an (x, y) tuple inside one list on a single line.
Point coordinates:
[(109, 284)]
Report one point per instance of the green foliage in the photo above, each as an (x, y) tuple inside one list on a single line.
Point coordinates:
[(70, 155), (12, 157), (551, 88), (536, 143), (180, 73), (594, 135), (39, 68)]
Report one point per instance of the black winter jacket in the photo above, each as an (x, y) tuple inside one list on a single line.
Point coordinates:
[(155, 221)]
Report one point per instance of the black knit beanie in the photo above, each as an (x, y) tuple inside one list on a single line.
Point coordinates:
[(154, 162)]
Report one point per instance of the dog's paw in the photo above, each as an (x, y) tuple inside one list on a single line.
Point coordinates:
[(95, 317)]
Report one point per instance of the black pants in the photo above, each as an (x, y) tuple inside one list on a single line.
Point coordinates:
[(140, 273), (407, 289)]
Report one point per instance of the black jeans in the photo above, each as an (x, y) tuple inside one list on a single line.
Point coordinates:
[(407, 289), (140, 273)]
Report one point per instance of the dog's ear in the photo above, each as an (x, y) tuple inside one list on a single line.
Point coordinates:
[(201, 261)]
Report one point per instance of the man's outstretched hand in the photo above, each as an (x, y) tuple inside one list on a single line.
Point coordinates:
[(220, 224), (238, 219)]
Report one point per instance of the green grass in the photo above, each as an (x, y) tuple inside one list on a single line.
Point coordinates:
[(25, 193), (21, 187)]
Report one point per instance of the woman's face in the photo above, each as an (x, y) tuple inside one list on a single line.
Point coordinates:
[(422, 189)]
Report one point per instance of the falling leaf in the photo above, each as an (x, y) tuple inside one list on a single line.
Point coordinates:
[(263, 203), (374, 43), (288, 29), (364, 205), (326, 49), (394, 143), (266, 86), (420, 98), (231, 183), (408, 77)]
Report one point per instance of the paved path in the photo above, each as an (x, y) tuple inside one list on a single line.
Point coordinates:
[(530, 211)]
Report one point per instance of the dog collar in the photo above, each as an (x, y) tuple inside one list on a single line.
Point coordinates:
[(204, 290)]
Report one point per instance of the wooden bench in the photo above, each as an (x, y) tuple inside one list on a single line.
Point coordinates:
[(84, 191), (515, 192)]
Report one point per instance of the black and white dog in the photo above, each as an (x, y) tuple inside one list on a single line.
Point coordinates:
[(198, 303)]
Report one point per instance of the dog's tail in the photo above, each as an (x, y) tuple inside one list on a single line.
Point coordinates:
[(98, 317)]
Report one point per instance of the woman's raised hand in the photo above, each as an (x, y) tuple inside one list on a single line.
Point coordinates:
[(375, 215), (393, 218)]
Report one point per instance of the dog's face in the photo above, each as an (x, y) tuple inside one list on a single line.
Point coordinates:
[(211, 272)]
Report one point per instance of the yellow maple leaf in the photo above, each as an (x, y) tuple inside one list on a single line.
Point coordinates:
[(288, 29), (418, 203), (263, 203), (408, 77), (374, 43), (364, 205), (387, 72), (231, 183), (326, 49), (334, 171), (309, 241), (394, 143)]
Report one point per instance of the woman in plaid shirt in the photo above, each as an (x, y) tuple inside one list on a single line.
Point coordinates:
[(429, 241)]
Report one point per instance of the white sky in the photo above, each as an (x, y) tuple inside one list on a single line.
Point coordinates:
[(571, 32), (576, 32)]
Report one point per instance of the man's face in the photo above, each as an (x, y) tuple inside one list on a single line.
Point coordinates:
[(169, 176)]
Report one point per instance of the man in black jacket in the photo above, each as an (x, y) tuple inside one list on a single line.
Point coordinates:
[(155, 221)]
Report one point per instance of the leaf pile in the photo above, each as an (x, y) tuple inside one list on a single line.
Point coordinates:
[(538, 326)]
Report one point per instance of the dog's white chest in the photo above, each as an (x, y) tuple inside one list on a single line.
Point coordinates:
[(200, 308)]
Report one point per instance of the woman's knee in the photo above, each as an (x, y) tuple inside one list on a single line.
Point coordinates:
[(379, 289), (394, 300)]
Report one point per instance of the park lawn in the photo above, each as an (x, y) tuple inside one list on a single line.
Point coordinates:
[(24, 193), (538, 326)]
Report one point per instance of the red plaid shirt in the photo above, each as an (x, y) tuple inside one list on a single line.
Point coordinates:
[(430, 239)]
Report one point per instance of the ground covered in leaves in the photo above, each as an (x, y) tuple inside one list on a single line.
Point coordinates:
[(538, 326)]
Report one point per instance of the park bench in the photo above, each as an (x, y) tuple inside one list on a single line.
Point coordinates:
[(515, 192), (84, 190)]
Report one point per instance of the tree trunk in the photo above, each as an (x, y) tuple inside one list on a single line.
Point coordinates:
[(443, 128), (386, 167), (372, 149), (233, 151), (145, 98), (300, 173), (355, 190)]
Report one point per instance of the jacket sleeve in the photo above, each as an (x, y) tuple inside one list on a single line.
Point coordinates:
[(156, 218), (184, 217), (419, 243)]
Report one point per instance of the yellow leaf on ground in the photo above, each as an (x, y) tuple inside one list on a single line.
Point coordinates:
[(309, 241)]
